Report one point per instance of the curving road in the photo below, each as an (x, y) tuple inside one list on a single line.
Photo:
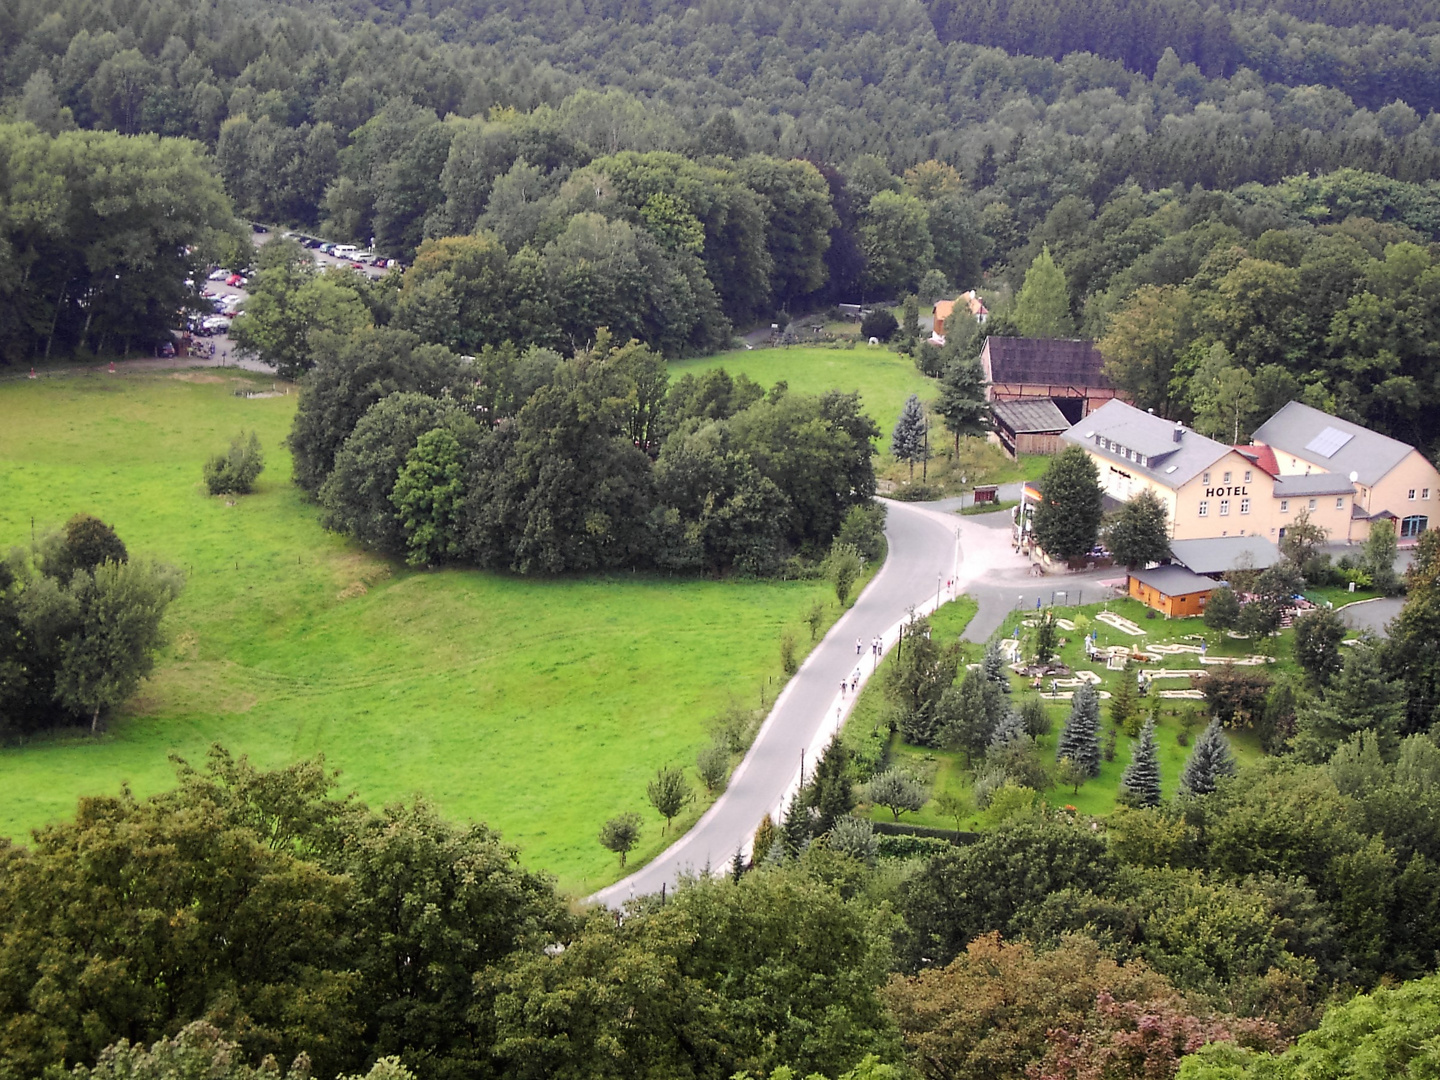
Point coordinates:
[(929, 550)]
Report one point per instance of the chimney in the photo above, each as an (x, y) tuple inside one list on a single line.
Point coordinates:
[(1179, 431)]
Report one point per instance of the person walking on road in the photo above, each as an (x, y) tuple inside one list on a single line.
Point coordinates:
[(858, 646)]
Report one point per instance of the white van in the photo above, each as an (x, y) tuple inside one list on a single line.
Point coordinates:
[(344, 251)]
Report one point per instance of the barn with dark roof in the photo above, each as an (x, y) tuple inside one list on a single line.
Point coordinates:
[(1069, 372)]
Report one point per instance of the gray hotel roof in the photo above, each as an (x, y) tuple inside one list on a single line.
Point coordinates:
[(1288, 487), (1307, 433), (1167, 462)]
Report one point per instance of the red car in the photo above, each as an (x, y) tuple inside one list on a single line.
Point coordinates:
[(234, 279)]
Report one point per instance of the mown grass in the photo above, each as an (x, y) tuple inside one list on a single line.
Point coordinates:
[(949, 771), (883, 378), (539, 706)]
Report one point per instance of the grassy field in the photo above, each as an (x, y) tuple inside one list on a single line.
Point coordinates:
[(541, 707), (883, 378), (945, 770)]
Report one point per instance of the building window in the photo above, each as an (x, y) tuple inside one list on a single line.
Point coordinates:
[(1248, 476), (1244, 506), (1224, 507), (1284, 506), (1313, 503), (1411, 496), (1204, 508), (1227, 477), (1424, 493), (1413, 525), (1340, 503), (1205, 479)]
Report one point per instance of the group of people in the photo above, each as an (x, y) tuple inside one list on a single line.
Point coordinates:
[(852, 683)]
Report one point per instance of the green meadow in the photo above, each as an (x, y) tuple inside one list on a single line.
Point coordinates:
[(539, 706), (884, 378)]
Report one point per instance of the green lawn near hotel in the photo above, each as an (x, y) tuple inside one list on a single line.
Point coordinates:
[(946, 770), (539, 706), (883, 378)]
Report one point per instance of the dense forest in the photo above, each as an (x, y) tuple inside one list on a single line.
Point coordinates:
[(1238, 200)]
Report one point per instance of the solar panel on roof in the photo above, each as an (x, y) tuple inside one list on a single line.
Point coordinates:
[(1328, 442)]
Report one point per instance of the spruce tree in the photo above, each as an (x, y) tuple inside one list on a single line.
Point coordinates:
[(1080, 737), (1209, 761), (962, 401), (1125, 702), (993, 664), (907, 443), (830, 792), (1042, 309), (1011, 728), (1141, 778), (795, 828)]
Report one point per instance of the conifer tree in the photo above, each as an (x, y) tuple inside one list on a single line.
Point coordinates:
[(1080, 737), (962, 401), (1141, 778), (1011, 728), (830, 792), (1125, 702), (795, 828), (993, 664), (1042, 309), (1209, 761), (907, 443)]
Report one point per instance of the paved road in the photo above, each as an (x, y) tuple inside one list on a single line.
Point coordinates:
[(923, 553), (1372, 615)]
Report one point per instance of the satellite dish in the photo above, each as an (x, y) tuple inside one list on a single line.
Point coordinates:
[(1354, 476)]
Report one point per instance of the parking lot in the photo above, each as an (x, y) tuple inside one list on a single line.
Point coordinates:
[(217, 347)]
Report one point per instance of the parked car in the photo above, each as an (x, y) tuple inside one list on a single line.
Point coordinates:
[(215, 324), (218, 274), (235, 279), (357, 266), (327, 247)]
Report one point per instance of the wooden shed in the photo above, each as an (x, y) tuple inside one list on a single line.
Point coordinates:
[(1029, 427), (1172, 590)]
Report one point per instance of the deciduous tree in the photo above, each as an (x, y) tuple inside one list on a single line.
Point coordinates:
[(620, 834), (669, 793), (1042, 308), (1067, 519), (897, 791), (1139, 531)]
